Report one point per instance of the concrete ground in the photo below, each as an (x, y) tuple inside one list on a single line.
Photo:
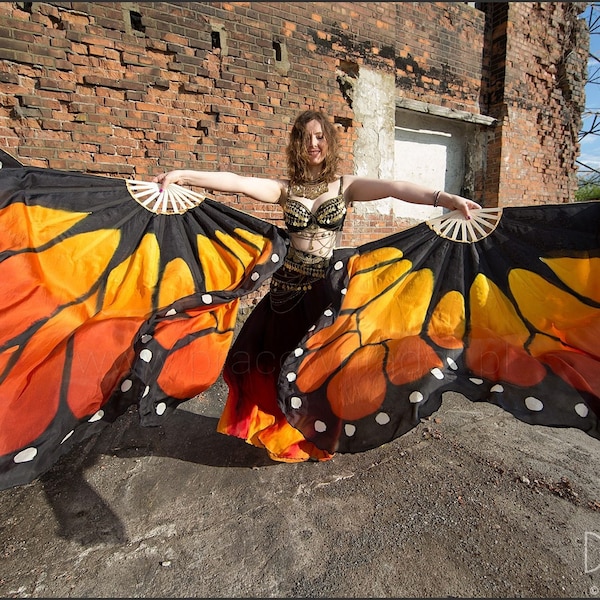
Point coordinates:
[(471, 503)]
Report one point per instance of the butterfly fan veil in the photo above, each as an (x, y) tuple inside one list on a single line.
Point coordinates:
[(503, 308), (114, 293)]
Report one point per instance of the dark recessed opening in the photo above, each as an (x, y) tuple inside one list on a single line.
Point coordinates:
[(136, 21), (343, 122), (350, 68), (215, 39), (277, 48)]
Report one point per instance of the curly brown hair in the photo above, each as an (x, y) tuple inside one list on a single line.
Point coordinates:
[(297, 154)]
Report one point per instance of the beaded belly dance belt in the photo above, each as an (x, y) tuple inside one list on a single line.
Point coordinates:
[(300, 270)]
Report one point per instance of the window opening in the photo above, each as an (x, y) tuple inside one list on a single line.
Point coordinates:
[(136, 21)]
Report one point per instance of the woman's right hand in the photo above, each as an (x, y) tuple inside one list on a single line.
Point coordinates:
[(259, 188), (164, 179)]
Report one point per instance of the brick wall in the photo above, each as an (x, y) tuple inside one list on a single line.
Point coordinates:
[(539, 54), (131, 89)]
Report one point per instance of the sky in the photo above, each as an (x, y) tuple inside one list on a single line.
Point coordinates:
[(590, 144)]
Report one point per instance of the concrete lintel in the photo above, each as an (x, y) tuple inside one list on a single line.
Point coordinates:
[(440, 111)]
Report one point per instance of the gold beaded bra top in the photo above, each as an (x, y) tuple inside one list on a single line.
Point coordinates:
[(330, 215)]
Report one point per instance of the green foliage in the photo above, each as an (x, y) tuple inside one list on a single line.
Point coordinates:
[(587, 190)]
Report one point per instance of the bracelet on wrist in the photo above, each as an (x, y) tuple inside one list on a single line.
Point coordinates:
[(436, 198)]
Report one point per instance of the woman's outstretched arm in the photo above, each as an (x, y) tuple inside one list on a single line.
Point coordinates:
[(258, 188), (363, 189)]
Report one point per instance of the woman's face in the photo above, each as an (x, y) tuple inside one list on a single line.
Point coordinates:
[(316, 143)]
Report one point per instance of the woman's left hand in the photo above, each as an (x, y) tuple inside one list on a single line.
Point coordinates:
[(454, 202)]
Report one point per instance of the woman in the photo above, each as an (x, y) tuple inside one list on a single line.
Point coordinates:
[(314, 199), (117, 295)]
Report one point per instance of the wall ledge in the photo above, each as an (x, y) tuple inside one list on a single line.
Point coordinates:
[(448, 113)]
